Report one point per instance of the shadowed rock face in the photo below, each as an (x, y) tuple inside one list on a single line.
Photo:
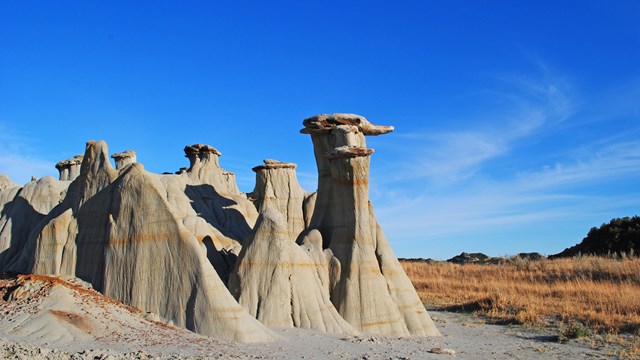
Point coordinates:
[(22, 209), (372, 293), (124, 232)]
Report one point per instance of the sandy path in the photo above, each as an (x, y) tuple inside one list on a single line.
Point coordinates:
[(469, 340)]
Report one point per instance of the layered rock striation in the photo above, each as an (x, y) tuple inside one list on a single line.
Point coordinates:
[(278, 282), (277, 187), (131, 234)]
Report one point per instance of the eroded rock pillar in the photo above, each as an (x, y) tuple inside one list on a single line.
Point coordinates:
[(372, 291), (204, 166), (277, 187), (69, 169), (124, 158)]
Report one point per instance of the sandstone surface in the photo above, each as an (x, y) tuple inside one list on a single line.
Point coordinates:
[(124, 158), (124, 233), (278, 282), (277, 187), (69, 169), (373, 293), (193, 249)]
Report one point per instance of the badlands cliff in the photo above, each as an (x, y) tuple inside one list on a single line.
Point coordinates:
[(193, 249)]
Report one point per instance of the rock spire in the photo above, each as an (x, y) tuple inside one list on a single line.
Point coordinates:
[(69, 169), (124, 158), (372, 293), (277, 187)]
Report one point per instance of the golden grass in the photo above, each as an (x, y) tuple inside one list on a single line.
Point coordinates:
[(600, 293)]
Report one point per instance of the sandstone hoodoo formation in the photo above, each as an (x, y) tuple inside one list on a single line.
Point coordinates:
[(202, 255), (124, 158), (136, 237), (277, 187), (204, 166), (373, 293), (69, 169)]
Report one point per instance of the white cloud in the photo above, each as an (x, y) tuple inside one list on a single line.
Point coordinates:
[(545, 195), (529, 108), (17, 159), (457, 187)]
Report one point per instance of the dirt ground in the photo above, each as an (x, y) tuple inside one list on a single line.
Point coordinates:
[(461, 333), (46, 318)]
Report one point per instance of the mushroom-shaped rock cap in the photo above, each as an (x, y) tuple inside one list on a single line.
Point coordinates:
[(274, 164), (76, 160), (124, 155), (124, 158), (196, 149), (324, 123), (349, 152)]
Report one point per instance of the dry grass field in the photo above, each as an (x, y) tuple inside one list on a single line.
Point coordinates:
[(583, 294)]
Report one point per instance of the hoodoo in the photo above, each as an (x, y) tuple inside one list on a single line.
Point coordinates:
[(205, 167), (372, 293), (193, 249), (125, 233), (277, 187), (124, 158), (69, 169)]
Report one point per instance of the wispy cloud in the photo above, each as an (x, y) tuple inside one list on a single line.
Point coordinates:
[(533, 196), (457, 184), (18, 160), (528, 108), (615, 159)]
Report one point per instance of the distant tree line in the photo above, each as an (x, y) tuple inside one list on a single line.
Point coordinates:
[(620, 236)]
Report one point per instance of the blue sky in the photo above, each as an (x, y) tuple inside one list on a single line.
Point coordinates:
[(517, 123)]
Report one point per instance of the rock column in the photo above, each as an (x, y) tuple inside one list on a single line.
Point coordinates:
[(372, 292), (204, 166), (277, 187), (124, 158), (69, 169)]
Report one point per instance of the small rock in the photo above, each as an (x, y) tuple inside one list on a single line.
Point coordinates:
[(443, 351)]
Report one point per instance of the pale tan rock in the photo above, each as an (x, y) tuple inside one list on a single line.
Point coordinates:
[(56, 313), (22, 209), (167, 243), (277, 187), (117, 231), (69, 169), (205, 167), (213, 193), (372, 293), (326, 265), (443, 351), (277, 282), (308, 205), (6, 183), (124, 158)]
